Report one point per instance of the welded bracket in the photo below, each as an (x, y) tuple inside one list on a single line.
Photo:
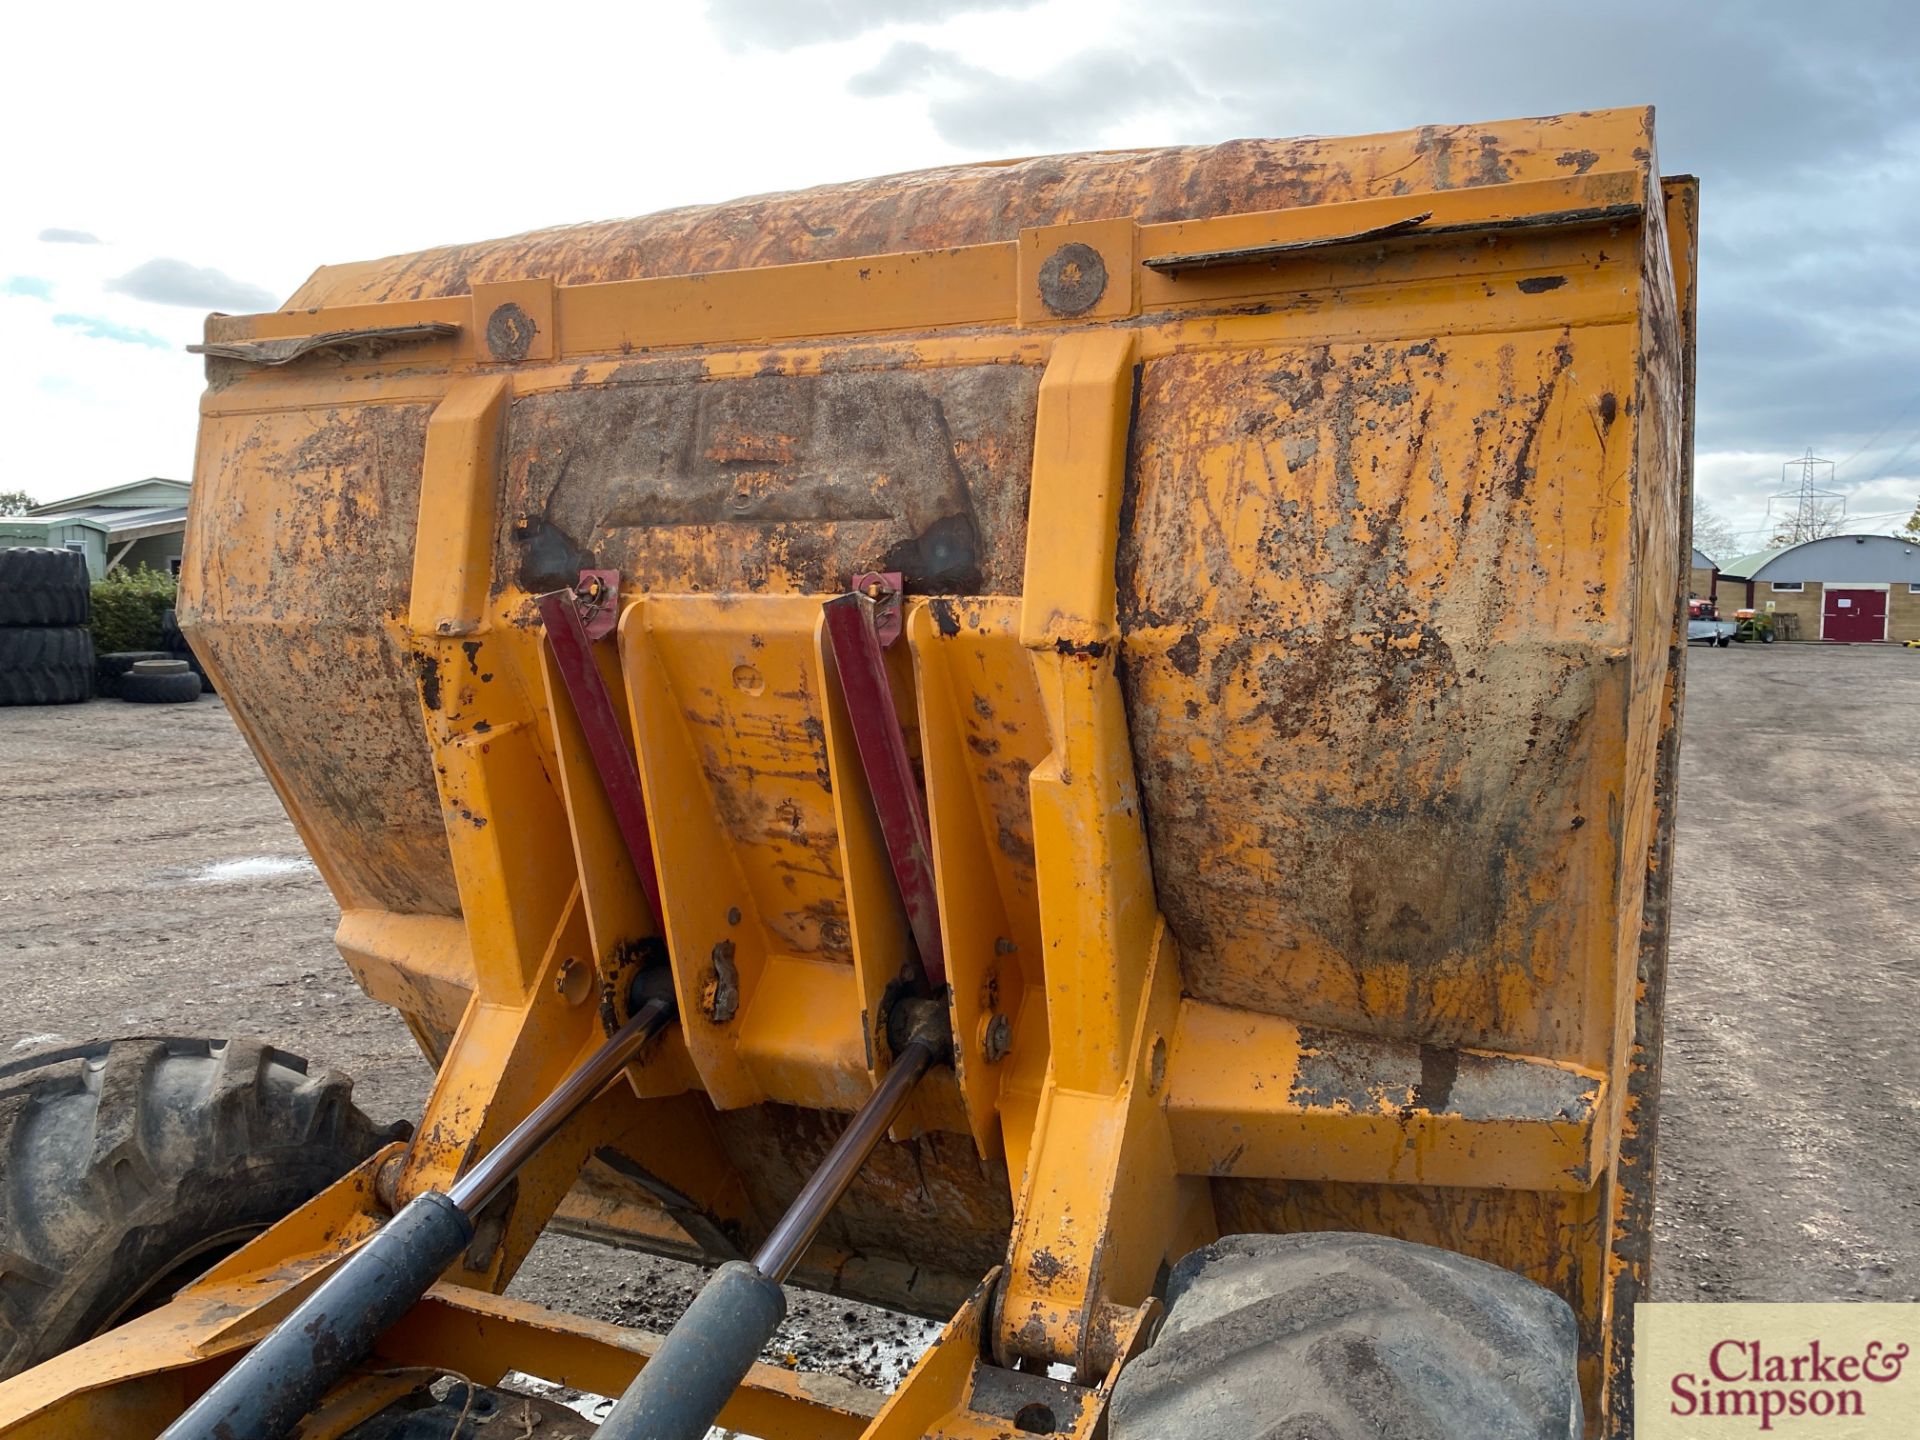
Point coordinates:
[(885, 589), (956, 1391), (1103, 1204), (521, 897), (596, 599)]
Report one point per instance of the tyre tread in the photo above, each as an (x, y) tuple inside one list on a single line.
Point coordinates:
[(42, 586), (45, 664), (1332, 1336), (117, 1154), (175, 689)]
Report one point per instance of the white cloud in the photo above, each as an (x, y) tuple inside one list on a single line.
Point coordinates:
[(196, 287), (124, 410), (789, 24), (99, 327), (353, 152), (1746, 488)]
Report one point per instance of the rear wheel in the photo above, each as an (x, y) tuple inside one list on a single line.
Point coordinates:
[(128, 1167), (1351, 1337)]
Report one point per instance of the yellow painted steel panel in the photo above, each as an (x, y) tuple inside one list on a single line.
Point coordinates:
[(1292, 537)]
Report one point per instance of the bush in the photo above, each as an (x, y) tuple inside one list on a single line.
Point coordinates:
[(127, 606)]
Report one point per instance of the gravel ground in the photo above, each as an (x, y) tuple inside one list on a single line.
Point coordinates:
[(146, 862), (150, 883), (1790, 1101)]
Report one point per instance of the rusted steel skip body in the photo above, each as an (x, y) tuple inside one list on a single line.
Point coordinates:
[(1292, 534)]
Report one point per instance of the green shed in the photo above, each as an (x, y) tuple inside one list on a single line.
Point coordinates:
[(139, 523)]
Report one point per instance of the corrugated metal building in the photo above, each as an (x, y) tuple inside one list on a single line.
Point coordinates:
[(140, 523), (1852, 588)]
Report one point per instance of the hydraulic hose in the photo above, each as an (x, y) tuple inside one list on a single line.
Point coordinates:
[(282, 1378)]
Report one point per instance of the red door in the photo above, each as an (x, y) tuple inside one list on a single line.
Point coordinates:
[(1854, 615)]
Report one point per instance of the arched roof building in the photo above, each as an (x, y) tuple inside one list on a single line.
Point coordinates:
[(1852, 588)]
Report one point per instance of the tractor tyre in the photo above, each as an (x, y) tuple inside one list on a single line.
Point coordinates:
[(44, 586), (175, 644), (1351, 1337), (128, 1167), (110, 669), (45, 664), (169, 688), (1767, 637)]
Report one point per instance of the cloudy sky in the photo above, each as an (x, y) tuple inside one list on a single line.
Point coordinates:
[(208, 156)]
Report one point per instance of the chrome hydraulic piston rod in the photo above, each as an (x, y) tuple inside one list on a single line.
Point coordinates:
[(710, 1349), (283, 1377)]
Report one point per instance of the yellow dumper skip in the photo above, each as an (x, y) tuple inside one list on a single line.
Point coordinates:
[(1291, 536)]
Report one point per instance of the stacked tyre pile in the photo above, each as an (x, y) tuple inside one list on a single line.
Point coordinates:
[(175, 644), (148, 677), (155, 677), (46, 652)]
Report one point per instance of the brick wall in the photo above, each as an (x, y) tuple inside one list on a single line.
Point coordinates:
[(1805, 604), (1733, 596), (1903, 614), (1903, 607)]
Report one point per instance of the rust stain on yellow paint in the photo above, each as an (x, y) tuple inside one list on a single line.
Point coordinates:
[(1292, 537)]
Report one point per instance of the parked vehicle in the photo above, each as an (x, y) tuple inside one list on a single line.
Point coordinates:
[(1705, 627)]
